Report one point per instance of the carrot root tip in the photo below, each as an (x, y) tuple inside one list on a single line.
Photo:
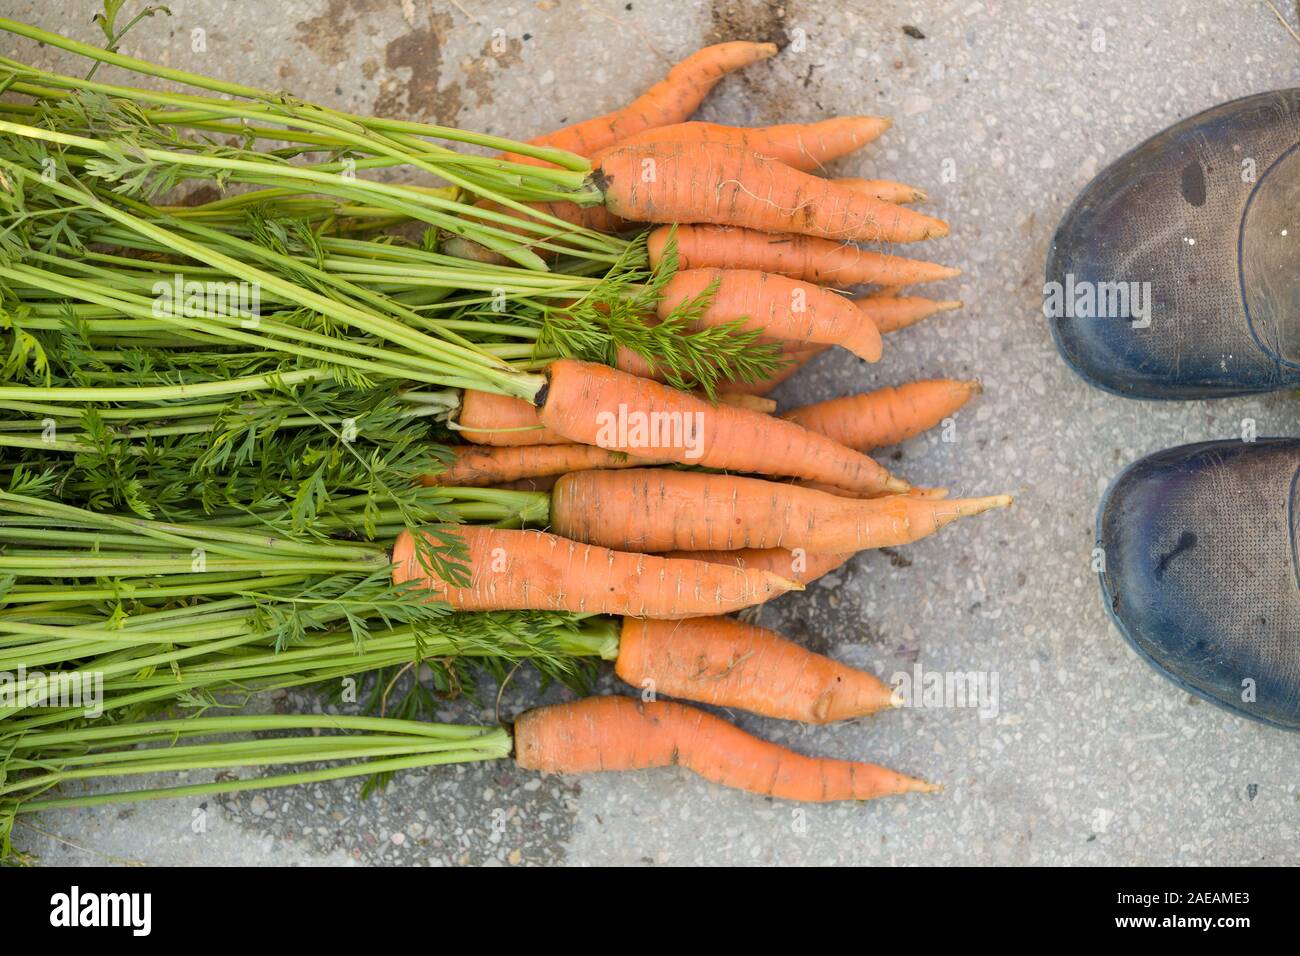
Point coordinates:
[(976, 506)]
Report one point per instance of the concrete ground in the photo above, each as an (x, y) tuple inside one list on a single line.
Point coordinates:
[(1002, 110)]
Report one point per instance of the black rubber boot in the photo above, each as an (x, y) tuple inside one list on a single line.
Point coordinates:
[(1176, 273), (1202, 571)]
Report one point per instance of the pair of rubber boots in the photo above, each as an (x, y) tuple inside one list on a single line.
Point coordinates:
[(1176, 275)]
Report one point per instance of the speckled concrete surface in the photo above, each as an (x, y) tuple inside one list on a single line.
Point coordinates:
[(1003, 111)]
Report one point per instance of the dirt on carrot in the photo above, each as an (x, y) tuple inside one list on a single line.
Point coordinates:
[(886, 190)]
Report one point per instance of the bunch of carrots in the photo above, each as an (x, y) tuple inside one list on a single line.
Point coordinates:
[(774, 246), (642, 489)]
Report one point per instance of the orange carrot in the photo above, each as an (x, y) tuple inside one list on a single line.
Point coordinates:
[(664, 510), (755, 403), (634, 363), (893, 312), (801, 566), (929, 494), (621, 733), (512, 422), (490, 419), (800, 146), (671, 100), (886, 190), (540, 483), (591, 217), (822, 261), (803, 147), (786, 310), (886, 416), (477, 466), (599, 405), (720, 661), (730, 186), (730, 391), (932, 494), (530, 570), (794, 360)]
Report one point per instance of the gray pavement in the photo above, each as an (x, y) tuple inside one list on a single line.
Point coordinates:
[(1002, 111)]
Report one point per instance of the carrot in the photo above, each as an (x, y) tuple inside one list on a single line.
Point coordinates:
[(893, 312), (634, 363), (599, 405), (664, 510), (722, 662), (530, 570), (671, 100), (821, 261), (886, 190), (802, 147), (786, 310), (802, 566), (480, 466), (620, 733), (490, 419), (931, 494), (928, 494), (806, 147), (591, 217), (886, 416), (755, 403), (795, 361), (731, 391), (540, 483), (730, 186)]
